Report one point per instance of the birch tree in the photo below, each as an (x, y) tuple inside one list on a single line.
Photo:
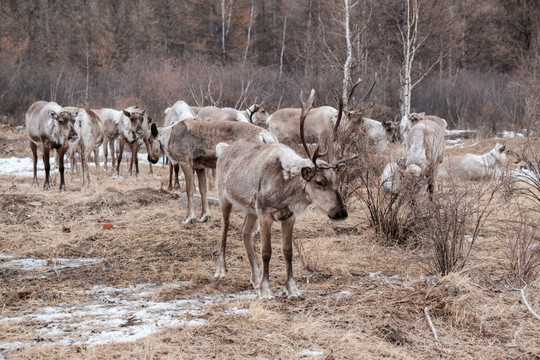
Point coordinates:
[(410, 44)]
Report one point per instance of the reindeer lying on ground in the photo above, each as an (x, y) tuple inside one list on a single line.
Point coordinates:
[(128, 125), (51, 126), (477, 167), (178, 112), (90, 137), (255, 114), (192, 144), (272, 183)]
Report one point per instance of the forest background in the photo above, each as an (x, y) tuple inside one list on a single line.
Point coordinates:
[(475, 62)]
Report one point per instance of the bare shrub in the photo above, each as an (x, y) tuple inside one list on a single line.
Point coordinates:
[(523, 250), (392, 222), (453, 222)]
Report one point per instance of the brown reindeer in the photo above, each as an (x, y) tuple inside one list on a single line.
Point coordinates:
[(192, 144), (255, 114), (51, 126), (273, 183)]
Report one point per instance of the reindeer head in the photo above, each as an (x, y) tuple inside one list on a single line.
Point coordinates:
[(257, 114), (322, 178), (137, 118), (63, 126), (392, 131), (155, 146)]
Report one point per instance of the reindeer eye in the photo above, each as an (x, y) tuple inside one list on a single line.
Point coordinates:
[(319, 183)]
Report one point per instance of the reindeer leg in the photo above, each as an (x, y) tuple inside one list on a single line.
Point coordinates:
[(96, 160), (221, 266), (171, 168), (134, 158), (146, 146), (203, 189), (176, 181), (105, 152), (291, 290), (61, 153), (47, 165), (33, 147), (266, 248), (188, 175), (121, 150), (247, 229)]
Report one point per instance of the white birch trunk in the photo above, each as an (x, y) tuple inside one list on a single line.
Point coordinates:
[(282, 47), (251, 10), (348, 61)]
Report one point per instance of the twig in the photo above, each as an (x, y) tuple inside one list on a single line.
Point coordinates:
[(431, 325), (522, 291)]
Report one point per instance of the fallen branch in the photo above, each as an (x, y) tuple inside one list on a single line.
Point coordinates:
[(522, 292), (431, 325)]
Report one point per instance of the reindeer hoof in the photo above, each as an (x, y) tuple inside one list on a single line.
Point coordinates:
[(219, 278), (188, 221), (203, 218)]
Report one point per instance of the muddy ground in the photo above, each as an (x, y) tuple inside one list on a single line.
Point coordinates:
[(144, 288)]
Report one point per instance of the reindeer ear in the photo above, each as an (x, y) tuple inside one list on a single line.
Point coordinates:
[(154, 130), (502, 148), (127, 113), (308, 173), (339, 169), (53, 114)]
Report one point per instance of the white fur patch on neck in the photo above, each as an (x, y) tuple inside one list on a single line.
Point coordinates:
[(163, 136), (291, 162)]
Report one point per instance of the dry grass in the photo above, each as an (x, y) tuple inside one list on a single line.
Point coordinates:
[(362, 299)]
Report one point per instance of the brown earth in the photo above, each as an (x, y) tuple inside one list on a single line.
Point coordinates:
[(362, 300)]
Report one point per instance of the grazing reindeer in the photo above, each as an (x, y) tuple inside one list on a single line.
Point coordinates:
[(192, 144), (51, 126), (178, 112), (255, 114), (477, 167), (273, 183)]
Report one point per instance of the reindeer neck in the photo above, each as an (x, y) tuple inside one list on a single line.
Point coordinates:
[(164, 137), (490, 158)]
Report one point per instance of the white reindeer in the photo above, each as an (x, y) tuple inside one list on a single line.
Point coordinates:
[(476, 167)]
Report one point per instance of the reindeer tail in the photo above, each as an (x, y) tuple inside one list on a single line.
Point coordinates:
[(220, 147)]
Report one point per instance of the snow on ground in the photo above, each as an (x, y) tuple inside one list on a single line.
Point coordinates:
[(24, 167), (114, 315)]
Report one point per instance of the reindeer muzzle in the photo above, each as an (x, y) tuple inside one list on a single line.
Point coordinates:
[(339, 215)]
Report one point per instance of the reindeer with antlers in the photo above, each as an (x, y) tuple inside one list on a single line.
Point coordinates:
[(270, 182)]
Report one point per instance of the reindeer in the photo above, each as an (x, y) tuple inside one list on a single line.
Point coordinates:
[(477, 167), (51, 126), (407, 122), (89, 128), (255, 114), (192, 144), (178, 112), (270, 182), (129, 125)]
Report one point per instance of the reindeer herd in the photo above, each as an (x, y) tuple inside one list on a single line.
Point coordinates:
[(257, 170)]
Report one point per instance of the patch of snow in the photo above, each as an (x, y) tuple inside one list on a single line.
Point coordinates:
[(24, 166), (306, 352), (117, 315), (511, 134), (42, 264), (379, 275)]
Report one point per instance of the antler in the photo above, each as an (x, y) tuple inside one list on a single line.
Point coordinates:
[(306, 106)]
